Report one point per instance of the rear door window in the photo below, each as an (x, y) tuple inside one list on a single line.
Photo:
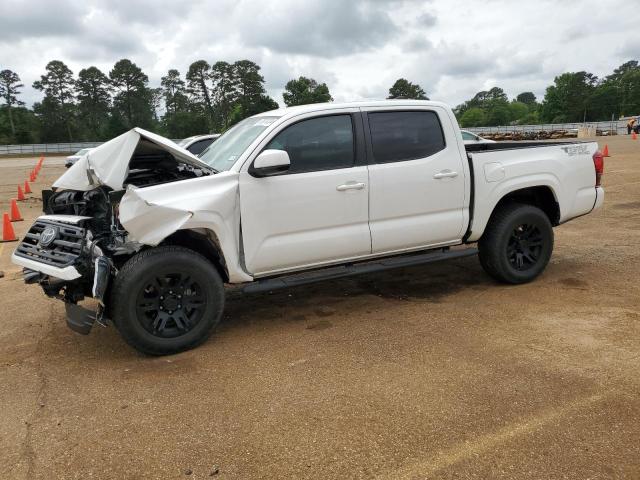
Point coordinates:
[(401, 136)]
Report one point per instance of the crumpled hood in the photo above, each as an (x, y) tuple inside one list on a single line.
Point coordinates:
[(108, 164)]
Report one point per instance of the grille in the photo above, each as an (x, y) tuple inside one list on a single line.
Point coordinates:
[(62, 252)]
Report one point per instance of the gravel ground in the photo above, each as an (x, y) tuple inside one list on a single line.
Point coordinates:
[(425, 372)]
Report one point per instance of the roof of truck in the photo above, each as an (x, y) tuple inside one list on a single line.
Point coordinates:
[(318, 107)]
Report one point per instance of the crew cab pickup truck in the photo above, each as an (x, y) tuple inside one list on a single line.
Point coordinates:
[(292, 196)]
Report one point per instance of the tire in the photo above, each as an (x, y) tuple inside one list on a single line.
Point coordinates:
[(517, 243), (166, 300)]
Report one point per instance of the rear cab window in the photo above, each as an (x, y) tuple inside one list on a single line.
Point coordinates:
[(468, 136), (398, 136)]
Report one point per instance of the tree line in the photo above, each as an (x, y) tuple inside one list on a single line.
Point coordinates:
[(573, 97), (96, 106)]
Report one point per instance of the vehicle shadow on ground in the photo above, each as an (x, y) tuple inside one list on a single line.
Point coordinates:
[(425, 284)]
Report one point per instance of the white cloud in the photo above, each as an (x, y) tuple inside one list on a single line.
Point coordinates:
[(359, 48)]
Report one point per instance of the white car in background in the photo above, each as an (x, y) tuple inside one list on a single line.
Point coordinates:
[(471, 138), (71, 159), (198, 143)]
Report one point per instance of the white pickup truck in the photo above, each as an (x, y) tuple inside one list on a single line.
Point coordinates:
[(288, 197)]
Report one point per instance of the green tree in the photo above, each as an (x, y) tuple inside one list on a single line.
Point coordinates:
[(622, 70), (518, 111), (304, 91), (485, 99), (473, 117), (567, 100), (198, 77), (225, 92), (528, 98), (93, 92), (26, 124), (133, 100), (499, 114), (53, 125), (58, 86), (405, 89), (174, 92), (252, 97), (628, 87), (10, 86), (156, 95)]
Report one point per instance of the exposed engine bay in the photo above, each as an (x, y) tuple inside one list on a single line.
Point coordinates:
[(81, 228)]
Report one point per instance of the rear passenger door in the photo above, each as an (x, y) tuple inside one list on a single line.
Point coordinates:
[(416, 179)]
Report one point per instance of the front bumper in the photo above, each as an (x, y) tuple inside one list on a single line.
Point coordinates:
[(66, 273), (68, 267)]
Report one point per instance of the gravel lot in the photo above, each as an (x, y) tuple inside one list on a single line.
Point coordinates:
[(426, 372)]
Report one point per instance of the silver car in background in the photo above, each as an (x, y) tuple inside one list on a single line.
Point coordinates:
[(71, 159), (198, 143), (471, 138)]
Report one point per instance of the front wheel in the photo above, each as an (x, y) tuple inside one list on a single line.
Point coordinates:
[(166, 300), (517, 243)]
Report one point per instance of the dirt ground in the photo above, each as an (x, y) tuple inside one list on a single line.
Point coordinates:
[(425, 372)]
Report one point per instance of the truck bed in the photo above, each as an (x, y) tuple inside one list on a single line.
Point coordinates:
[(565, 169), (482, 147)]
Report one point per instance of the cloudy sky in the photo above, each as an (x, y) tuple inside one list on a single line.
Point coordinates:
[(358, 47)]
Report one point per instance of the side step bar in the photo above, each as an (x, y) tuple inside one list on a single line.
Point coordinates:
[(349, 270)]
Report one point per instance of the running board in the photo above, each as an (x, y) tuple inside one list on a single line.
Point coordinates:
[(349, 270)]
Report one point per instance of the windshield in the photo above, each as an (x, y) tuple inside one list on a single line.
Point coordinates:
[(223, 153), (83, 151)]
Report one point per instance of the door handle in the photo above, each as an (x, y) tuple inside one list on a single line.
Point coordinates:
[(445, 174), (350, 186)]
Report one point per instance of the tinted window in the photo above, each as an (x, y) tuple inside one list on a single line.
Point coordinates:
[(398, 136), (468, 136), (322, 143), (198, 147)]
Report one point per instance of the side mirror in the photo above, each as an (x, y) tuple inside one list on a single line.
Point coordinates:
[(270, 162)]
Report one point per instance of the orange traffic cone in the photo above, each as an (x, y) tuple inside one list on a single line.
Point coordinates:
[(634, 136), (15, 213), (27, 188), (21, 196), (605, 152), (8, 235), (32, 176)]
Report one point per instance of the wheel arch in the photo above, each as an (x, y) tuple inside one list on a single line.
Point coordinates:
[(203, 241), (542, 196)]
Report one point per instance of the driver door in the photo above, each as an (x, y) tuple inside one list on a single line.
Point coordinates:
[(318, 211)]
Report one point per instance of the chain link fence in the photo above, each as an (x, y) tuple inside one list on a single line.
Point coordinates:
[(45, 148), (613, 127), (48, 148)]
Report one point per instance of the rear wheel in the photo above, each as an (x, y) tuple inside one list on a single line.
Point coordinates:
[(166, 300), (517, 243)]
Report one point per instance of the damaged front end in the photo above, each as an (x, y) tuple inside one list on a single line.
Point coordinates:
[(75, 249), (63, 255)]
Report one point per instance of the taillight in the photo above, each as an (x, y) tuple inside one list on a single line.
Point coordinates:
[(598, 163)]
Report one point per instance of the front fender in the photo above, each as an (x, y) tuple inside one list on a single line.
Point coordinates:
[(152, 214)]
